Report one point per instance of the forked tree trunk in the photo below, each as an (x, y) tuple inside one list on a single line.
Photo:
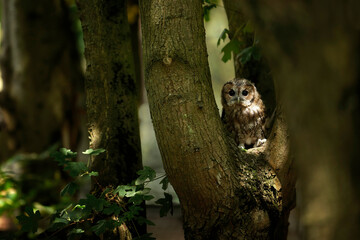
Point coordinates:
[(314, 51), (258, 71), (224, 193)]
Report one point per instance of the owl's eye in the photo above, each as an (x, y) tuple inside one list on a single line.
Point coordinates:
[(244, 92), (231, 92)]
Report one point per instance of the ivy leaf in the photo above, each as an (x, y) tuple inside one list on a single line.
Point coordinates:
[(72, 234), (134, 212), (231, 47), (252, 52), (166, 204), (139, 198), (29, 220), (146, 236), (58, 223), (92, 202), (146, 173), (142, 220), (76, 168), (93, 174), (113, 209), (207, 6), (165, 183), (63, 154), (223, 35), (125, 191), (102, 226), (69, 189), (94, 152)]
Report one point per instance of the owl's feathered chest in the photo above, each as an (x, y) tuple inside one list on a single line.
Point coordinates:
[(245, 123)]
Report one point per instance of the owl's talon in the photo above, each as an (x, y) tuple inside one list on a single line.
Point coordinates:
[(260, 142)]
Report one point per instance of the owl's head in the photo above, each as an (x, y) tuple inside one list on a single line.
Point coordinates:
[(238, 92)]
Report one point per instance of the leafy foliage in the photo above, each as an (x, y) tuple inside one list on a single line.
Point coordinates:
[(29, 220), (166, 204), (102, 212), (236, 48), (207, 6)]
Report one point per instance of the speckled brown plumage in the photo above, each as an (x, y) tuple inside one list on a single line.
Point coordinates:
[(243, 112)]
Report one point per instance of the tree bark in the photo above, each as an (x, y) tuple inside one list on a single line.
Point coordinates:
[(313, 48), (41, 71), (111, 91), (112, 95), (277, 151), (224, 193)]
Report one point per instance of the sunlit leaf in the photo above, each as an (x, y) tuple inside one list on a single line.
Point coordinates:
[(94, 152), (29, 220), (144, 174)]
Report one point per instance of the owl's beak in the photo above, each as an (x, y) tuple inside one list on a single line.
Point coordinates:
[(238, 99)]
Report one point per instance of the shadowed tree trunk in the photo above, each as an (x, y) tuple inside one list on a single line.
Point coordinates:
[(314, 50), (224, 193), (42, 76), (40, 102), (258, 71), (112, 94)]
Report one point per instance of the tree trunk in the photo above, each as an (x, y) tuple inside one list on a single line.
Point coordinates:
[(258, 71), (313, 48), (224, 193), (112, 93), (42, 75)]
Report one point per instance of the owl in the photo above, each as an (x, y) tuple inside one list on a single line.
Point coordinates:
[(243, 113)]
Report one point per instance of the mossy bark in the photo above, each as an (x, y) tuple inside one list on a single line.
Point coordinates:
[(278, 150), (111, 90), (313, 48), (112, 95), (224, 193)]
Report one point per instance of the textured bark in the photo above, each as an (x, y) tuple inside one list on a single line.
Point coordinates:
[(224, 193), (313, 48), (277, 150), (111, 91), (42, 75)]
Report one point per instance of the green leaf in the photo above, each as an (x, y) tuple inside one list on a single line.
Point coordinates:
[(141, 220), (74, 232), (207, 7), (223, 35), (76, 168), (165, 183), (69, 189), (93, 203), (166, 204), (63, 154), (29, 220), (94, 152), (102, 226), (231, 47), (93, 174), (58, 223), (113, 209), (146, 173), (139, 198), (252, 52), (125, 191)]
